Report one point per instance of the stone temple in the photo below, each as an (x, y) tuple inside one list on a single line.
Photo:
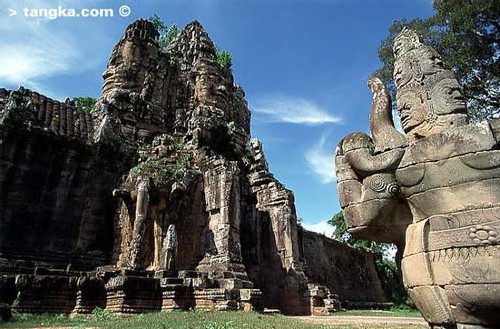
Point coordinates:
[(158, 199), (434, 192)]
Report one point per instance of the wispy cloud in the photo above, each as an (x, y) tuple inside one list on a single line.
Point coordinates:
[(26, 62), (320, 160), (321, 227), (35, 49), (31, 51), (293, 110)]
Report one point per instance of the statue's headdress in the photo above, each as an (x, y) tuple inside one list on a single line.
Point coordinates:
[(428, 94)]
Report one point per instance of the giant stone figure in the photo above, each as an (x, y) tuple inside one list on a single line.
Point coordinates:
[(435, 192)]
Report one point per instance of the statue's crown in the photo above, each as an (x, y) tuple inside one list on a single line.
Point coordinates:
[(428, 94), (405, 41)]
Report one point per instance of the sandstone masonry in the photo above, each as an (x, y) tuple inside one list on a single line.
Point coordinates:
[(157, 199)]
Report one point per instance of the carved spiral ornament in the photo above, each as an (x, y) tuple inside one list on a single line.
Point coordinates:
[(393, 188), (382, 183), (377, 184)]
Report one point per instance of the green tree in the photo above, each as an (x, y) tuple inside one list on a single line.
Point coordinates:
[(467, 35), (167, 33), (386, 267), (224, 59), (379, 250), (85, 103)]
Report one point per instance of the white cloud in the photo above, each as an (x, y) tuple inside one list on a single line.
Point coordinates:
[(35, 49), (27, 63), (30, 50), (320, 160), (321, 227), (293, 110)]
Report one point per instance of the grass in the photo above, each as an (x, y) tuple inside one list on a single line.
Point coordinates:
[(191, 319), (394, 312)]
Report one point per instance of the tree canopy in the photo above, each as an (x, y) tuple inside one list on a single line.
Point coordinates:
[(85, 103), (467, 35)]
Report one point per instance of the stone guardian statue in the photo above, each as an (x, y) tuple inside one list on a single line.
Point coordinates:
[(169, 250), (435, 193)]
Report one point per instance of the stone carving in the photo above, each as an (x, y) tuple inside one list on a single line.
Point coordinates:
[(141, 211), (169, 249), (157, 199), (437, 194)]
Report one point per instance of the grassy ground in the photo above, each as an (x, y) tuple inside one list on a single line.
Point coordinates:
[(193, 319), (390, 313)]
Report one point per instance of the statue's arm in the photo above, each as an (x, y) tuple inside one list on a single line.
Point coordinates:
[(371, 200), (369, 194)]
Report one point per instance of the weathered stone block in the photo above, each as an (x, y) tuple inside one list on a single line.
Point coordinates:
[(433, 304), (91, 295), (45, 294), (132, 294), (412, 277), (5, 312), (475, 304)]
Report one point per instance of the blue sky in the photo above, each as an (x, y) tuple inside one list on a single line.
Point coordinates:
[(303, 65)]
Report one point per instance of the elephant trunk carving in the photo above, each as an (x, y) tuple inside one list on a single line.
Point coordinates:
[(141, 211), (366, 175), (437, 195), (385, 135)]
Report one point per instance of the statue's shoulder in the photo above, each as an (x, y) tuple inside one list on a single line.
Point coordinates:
[(456, 141)]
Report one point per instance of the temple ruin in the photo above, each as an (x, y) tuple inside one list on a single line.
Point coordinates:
[(158, 199)]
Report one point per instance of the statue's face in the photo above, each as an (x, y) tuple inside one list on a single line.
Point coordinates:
[(447, 97), (129, 66), (412, 110), (428, 61), (401, 77), (125, 65)]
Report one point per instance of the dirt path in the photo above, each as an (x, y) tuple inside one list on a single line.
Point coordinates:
[(334, 319)]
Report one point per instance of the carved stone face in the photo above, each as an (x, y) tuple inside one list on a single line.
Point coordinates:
[(427, 92), (124, 68), (401, 76), (130, 65), (447, 97), (428, 61), (412, 110)]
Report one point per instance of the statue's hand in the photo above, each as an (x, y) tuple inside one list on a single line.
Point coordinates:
[(369, 193)]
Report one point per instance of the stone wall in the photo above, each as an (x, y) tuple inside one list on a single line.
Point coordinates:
[(56, 209), (350, 273)]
